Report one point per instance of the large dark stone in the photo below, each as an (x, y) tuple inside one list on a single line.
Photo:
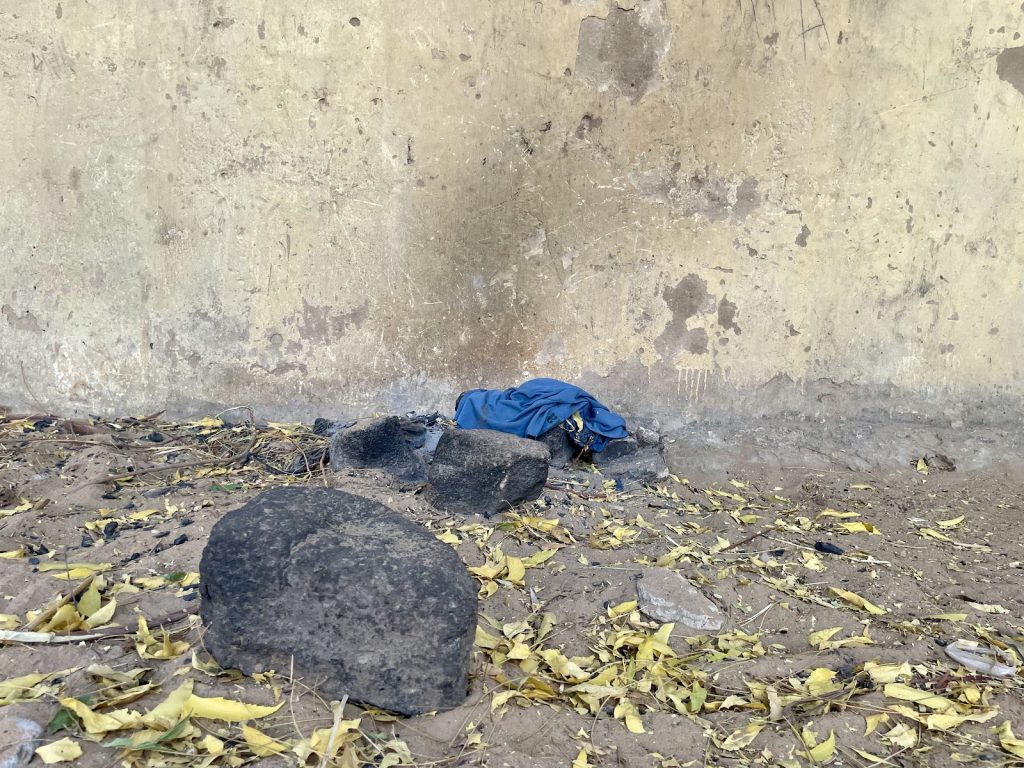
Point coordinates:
[(367, 603), (377, 444), (486, 472)]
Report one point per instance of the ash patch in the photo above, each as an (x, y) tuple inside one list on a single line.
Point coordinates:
[(624, 50)]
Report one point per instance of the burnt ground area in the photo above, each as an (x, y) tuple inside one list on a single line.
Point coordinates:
[(823, 657)]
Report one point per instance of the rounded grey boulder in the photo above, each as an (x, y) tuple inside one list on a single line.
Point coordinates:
[(367, 603)]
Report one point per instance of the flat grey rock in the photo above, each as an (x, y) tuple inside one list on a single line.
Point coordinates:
[(665, 596), (644, 466), (19, 738), (367, 603), (378, 444), (480, 471)]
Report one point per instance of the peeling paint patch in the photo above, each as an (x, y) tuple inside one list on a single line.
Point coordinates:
[(1010, 67), (699, 193), (801, 239), (687, 299), (321, 325), (727, 316), (624, 50), (25, 321)]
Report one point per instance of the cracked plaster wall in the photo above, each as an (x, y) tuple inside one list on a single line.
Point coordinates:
[(704, 210)]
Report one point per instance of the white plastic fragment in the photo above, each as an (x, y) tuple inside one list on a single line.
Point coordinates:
[(988, 661)]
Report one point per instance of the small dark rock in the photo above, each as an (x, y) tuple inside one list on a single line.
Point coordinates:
[(365, 602), (561, 447), (87, 541), (110, 529), (828, 548), (323, 427), (158, 548), (377, 444), (33, 561), (190, 596), (647, 438), (155, 437), (486, 472), (616, 449), (180, 540), (185, 521), (415, 433), (133, 557), (308, 462), (160, 534)]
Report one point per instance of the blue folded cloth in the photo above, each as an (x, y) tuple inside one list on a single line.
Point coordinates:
[(538, 405)]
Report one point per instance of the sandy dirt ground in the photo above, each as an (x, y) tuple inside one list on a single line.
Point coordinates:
[(823, 658)]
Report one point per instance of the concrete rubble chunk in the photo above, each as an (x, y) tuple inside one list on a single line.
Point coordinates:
[(480, 471), (665, 596), (377, 444), (367, 603), (19, 738)]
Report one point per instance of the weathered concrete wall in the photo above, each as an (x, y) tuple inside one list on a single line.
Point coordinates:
[(732, 208)]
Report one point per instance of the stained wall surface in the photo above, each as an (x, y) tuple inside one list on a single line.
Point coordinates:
[(701, 209)]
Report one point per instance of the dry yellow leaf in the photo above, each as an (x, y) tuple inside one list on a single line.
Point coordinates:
[(931, 533), (63, 751), (902, 736), (622, 608), (822, 639), (168, 712), (148, 647), (102, 615), (953, 522), (212, 745), (871, 722), (819, 753), (854, 599), (97, 723), (627, 712), (260, 744), (66, 619), (227, 710), (739, 738), (921, 698), (822, 681), (74, 571), (859, 527), (1008, 741), (582, 759), (21, 688), (516, 569), (539, 558), (829, 512)]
